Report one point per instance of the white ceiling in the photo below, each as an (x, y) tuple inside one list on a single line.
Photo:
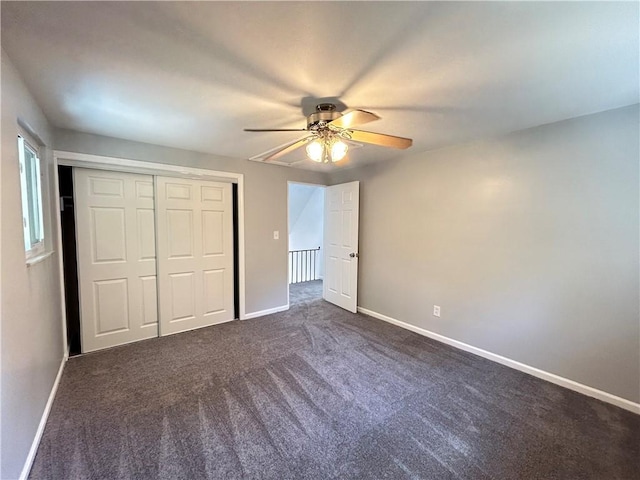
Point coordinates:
[(193, 75)]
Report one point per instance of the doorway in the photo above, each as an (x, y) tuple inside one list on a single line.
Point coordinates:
[(305, 237)]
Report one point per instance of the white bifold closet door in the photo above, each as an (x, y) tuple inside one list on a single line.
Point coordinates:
[(195, 253), (115, 235)]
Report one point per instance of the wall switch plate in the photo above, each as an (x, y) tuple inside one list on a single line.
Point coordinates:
[(276, 235), (436, 310)]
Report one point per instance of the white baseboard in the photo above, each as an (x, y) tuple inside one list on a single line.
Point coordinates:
[(43, 421), (536, 372), (268, 311)]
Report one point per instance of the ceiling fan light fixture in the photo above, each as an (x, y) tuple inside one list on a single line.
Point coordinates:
[(338, 150), (315, 150)]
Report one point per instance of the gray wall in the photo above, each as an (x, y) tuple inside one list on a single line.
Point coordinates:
[(265, 205), (31, 328), (528, 242)]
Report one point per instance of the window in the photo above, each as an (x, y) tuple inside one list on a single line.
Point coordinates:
[(31, 184)]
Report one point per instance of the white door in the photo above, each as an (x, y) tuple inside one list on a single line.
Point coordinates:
[(115, 235), (341, 208), (195, 253)]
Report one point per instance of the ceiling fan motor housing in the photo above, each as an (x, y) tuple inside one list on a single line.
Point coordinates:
[(325, 113)]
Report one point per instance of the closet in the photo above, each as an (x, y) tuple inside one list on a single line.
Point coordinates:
[(155, 255)]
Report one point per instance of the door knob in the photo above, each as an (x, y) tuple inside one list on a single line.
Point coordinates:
[(354, 255)]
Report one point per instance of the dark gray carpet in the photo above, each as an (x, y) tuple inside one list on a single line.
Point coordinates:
[(320, 393)]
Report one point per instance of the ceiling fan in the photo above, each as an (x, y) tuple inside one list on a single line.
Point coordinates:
[(329, 134)]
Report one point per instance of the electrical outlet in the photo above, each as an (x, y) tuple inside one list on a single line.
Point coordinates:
[(436, 310), (276, 235)]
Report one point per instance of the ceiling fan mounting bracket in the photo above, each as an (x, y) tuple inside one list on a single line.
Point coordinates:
[(325, 107), (325, 113)]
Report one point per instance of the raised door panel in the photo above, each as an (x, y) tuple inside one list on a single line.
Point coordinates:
[(108, 234), (345, 276), (178, 191), (214, 291), (332, 228), (346, 236), (149, 303), (183, 302), (212, 194), (331, 281), (111, 300), (144, 190), (179, 233), (213, 232), (146, 230), (100, 186)]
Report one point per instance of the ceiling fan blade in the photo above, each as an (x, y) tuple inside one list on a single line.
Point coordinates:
[(279, 152), (380, 139), (355, 117), (275, 130)]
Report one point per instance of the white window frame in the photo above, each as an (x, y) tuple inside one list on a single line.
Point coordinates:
[(38, 248)]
